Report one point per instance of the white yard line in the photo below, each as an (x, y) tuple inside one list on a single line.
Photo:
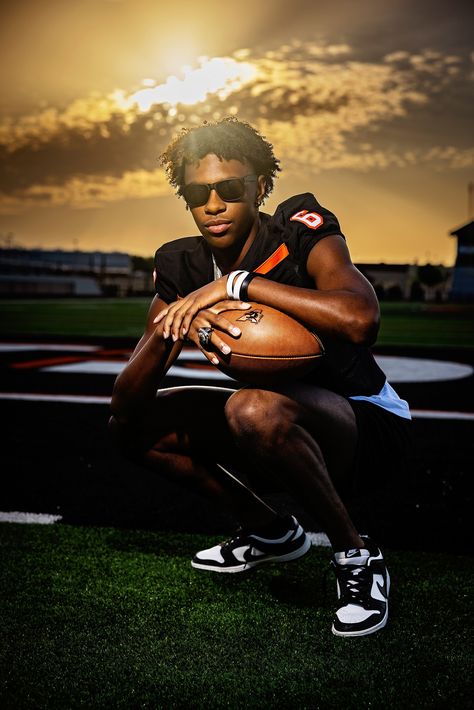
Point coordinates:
[(37, 518), (318, 539), (397, 369), (46, 347), (440, 414), (68, 398), (97, 399)]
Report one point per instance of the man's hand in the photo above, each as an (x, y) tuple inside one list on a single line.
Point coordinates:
[(213, 318), (178, 315)]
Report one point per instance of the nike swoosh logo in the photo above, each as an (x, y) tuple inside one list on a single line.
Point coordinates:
[(379, 588), (247, 553), (372, 559)]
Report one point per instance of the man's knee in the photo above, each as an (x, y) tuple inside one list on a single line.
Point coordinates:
[(259, 417)]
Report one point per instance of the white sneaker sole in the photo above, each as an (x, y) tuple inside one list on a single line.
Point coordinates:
[(254, 563)]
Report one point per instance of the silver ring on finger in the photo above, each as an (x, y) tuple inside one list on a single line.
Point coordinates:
[(204, 335)]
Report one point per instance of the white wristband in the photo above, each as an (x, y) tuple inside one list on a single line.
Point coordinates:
[(237, 284), (230, 281)]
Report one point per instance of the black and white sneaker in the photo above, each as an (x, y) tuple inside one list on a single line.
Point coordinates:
[(363, 584), (247, 550)]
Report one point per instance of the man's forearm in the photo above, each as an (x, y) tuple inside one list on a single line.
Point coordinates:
[(135, 388), (350, 315)]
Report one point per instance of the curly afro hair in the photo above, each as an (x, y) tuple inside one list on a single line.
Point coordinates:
[(229, 139)]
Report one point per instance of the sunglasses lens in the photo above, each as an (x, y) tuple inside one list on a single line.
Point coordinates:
[(231, 190), (196, 195)]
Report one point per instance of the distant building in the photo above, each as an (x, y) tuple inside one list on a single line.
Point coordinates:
[(463, 278), (64, 273), (397, 282), (38, 272), (395, 279), (42, 285)]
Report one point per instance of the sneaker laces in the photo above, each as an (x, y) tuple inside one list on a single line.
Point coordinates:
[(239, 533), (354, 582)]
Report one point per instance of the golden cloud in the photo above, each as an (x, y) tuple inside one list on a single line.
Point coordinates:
[(318, 106), (89, 191)]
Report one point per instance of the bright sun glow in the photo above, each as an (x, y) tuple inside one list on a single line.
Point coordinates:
[(220, 76)]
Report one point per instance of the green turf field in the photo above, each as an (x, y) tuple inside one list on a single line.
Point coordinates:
[(74, 317), (118, 619), (412, 324)]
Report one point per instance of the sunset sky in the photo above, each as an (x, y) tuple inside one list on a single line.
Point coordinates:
[(368, 103)]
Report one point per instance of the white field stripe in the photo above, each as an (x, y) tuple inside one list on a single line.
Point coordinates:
[(38, 518), (67, 398), (397, 369), (98, 399), (110, 367), (439, 414), (27, 347), (318, 539), (413, 369)]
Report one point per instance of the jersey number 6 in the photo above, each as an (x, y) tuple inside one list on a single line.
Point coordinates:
[(313, 220)]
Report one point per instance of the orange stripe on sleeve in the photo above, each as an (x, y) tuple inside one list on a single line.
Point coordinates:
[(274, 259)]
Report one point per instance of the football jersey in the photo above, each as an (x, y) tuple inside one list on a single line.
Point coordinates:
[(279, 252)]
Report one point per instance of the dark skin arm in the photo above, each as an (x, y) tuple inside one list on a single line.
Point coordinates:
[(135, 388), (344, 303)]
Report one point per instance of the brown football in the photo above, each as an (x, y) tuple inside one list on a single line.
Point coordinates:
[(273, 346)]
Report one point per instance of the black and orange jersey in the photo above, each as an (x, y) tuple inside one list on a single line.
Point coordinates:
[(279, 252)]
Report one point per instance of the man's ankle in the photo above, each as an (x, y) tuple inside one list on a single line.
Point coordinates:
[(276, 527), (352, 543)]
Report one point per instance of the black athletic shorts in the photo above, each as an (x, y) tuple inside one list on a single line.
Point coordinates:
[(382, 457), (384, 448)]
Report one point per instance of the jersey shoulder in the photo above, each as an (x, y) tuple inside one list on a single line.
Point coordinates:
[(181, 266), (303, 222), (305, 212), (183, 244)]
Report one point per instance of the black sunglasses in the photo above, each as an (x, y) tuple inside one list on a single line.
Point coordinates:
[(231, 190)]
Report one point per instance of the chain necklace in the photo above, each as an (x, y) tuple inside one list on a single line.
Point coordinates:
[(217, 271)]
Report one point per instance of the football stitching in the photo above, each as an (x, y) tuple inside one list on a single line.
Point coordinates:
[(277, 357)]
